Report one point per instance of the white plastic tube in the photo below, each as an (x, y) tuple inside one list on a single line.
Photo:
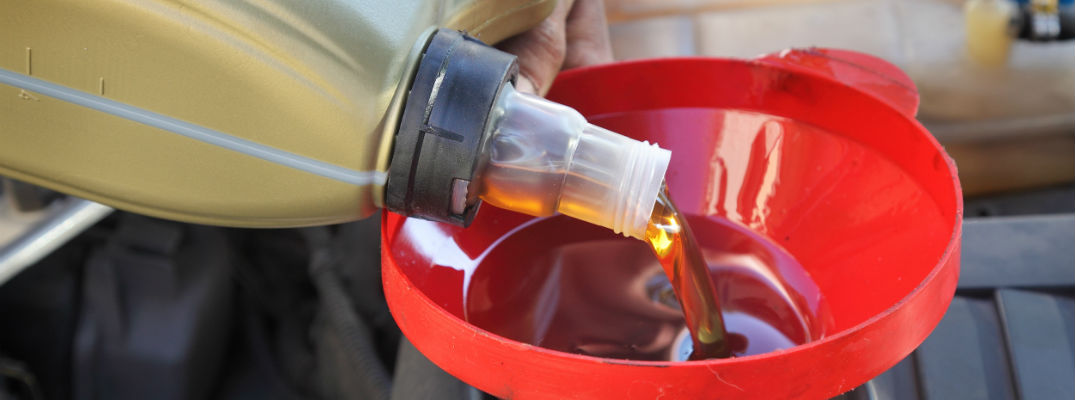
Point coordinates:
[(544, 158)]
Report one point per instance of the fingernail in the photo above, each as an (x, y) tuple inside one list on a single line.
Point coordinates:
[(525, 84)]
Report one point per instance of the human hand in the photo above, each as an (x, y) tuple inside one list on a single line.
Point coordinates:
[(574, 35)]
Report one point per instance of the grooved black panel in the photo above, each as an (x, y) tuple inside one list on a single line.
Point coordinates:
[(1039, 329)]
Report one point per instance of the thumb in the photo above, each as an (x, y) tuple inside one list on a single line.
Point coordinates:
[(540, 50)]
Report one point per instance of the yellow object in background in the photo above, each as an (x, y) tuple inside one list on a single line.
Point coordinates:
[(990, 30)]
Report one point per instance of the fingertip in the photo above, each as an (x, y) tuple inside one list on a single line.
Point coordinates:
[(525, 84)]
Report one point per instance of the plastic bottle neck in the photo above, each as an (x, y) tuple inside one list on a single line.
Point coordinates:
[(466, 134), (544, 158)]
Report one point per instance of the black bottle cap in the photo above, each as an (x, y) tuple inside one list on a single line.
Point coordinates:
[(437, 150)]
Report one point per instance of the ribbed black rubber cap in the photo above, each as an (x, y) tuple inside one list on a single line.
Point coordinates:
[(439, 140)]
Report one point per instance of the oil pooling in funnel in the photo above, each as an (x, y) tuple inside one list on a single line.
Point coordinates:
[(570, 286), (671, 240)]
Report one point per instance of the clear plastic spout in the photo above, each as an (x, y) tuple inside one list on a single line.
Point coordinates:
[(544, 158)]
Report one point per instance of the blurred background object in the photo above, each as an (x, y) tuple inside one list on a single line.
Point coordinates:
[(1009, 122)]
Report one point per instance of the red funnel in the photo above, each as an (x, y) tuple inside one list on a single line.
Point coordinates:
[(871, 209)]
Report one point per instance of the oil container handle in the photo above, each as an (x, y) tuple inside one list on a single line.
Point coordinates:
[(864, 72)]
